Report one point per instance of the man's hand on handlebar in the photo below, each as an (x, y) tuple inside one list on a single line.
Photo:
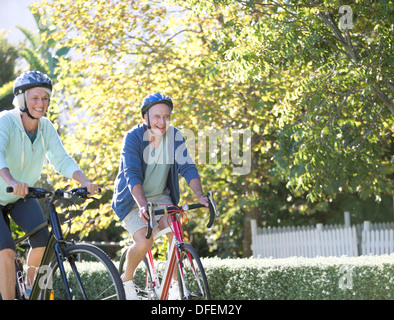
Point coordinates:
[(144, 214), (203, 200)]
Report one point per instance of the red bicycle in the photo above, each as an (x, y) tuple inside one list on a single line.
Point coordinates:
[(152, 278)]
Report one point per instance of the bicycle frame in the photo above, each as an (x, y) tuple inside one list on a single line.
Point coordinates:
[(55, 246), (67, 253), (162, 288)]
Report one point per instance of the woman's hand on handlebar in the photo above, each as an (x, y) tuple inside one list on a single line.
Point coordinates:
[(92, 188), (20, 188), (85, 182)]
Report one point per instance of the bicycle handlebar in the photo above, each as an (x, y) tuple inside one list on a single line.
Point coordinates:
[(211, 206), (81, 192)]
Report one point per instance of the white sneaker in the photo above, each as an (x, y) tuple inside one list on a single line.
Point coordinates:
[(129, 289), (173, 292)]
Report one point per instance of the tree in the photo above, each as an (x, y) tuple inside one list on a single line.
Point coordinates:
[(39, 55), (122, 49), (212, 63), (333, 65), (8, 55)]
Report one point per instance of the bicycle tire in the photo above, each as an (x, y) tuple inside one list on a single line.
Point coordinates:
[(99, 277), (193, 285), (122, 262)]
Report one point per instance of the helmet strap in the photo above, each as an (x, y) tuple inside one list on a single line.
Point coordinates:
[(29, 114), (27, 111), (147, 115), (149, 126)]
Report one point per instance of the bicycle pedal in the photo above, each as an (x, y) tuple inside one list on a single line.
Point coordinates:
[(192, 296)]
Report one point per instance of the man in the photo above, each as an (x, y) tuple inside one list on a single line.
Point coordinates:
[(153, 154)]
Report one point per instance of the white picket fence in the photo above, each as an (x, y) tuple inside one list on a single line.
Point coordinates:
[(334, 240), (377, 238)]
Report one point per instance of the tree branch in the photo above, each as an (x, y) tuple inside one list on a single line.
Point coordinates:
[(383, 97), (351, 53)]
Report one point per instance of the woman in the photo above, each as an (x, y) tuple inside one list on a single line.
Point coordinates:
[(27, 138)]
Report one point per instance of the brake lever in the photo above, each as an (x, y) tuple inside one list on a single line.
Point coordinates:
[(212, 209), (82, 193), (150, 221), (212, 201)]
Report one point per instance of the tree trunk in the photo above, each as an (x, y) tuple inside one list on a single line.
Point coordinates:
[(247, 241)]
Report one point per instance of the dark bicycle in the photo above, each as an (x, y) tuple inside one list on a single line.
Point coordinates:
[(68, 270)]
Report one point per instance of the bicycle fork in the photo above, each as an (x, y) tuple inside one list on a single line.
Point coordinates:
[(186, 292), (55, 242), (178, 246), (60, 257), (168, 271), (44, 280)]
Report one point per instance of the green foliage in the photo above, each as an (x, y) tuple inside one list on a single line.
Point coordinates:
[(39, 55), (6, 95), (331, 88), (87, 271), (8, 57), (315, 107), (331, 278)]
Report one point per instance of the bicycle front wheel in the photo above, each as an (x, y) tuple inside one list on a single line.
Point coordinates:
[(193, 283), (91, 275)]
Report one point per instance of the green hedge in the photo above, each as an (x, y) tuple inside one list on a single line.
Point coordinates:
[(95, 280), (358, 278)]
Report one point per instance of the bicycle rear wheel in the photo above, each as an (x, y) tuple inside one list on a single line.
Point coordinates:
[(90, 274), (193, 283)]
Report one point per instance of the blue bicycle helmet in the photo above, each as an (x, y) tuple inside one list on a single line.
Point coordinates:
[(155, 98), (31, 79)]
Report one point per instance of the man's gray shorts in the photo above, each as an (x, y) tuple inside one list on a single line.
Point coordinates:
[(132, 222)]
